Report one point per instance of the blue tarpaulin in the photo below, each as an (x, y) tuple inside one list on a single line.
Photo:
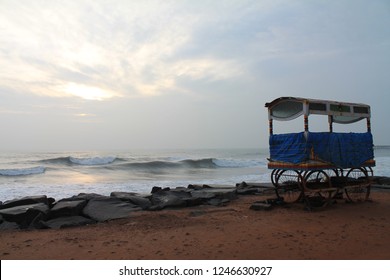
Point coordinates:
[(344, 150)]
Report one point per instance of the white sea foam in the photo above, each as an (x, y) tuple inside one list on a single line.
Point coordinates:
[(92, 160), (22, 171)]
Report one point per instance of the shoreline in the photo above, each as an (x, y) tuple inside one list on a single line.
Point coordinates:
[(352, 231)]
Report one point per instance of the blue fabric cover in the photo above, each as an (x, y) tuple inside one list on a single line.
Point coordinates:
[(289, 147), (344, 150)]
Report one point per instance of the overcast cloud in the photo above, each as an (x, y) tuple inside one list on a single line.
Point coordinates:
[(182, 74)]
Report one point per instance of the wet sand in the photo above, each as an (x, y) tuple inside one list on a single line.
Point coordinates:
[(340, 231)]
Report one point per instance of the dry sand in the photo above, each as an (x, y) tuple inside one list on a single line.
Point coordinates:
[(340, 231)]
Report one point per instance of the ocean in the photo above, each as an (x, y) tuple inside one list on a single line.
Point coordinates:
[(64, 174)]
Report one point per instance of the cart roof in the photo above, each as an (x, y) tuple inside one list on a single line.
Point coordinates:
[(288, 108)]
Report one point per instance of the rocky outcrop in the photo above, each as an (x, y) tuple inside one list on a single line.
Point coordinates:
[(26, 215), (64, 222), (103, 209), (25, 201), (133, 198), (67, 208), (86, 208)]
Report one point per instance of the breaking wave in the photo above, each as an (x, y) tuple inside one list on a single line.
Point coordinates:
[(92, 160), (80, 161), (159, 164), (206, 163), (113, 162), (22, 171)]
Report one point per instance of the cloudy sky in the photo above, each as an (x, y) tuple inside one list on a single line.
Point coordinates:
[(79, 75)]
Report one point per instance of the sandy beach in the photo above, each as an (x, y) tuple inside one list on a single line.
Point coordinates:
[(340, 231)]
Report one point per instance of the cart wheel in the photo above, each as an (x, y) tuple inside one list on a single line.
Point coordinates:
[(369, 171), (288, 185), (359, 187), (319, 184), (274, 176), (338, 172)]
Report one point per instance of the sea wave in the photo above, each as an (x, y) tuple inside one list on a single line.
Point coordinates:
[(92, 160), (159, 164), (22, 171), (234, 163), (70, 160), (113, 162), (204, 163)]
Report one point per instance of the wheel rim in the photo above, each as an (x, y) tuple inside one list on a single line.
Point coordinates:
[(274, 176), (288, 185), (318, 188), (359, 187)]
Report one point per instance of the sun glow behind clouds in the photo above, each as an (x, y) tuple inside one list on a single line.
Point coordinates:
[(87, 92)]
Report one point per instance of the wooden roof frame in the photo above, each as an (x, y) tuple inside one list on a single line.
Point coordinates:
[(289, 108)]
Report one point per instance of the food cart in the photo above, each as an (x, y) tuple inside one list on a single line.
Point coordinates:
[(316, 166)]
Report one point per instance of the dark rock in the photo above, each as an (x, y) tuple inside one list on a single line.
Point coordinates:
[(70, 221), (9, 226), (108, 208), (36, 222), (275, 201), (67, 208), (51, 201), (257, 206), (133, 198), (25, 201), (156, 189), (217, 186), (25, 215), (203, 195), (163, 199), (84, 196), (194, 201), (213, 196), (159, 189), (197, 187), (242, 185)]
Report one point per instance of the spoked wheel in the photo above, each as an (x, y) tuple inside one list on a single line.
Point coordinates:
[(369, 171), (274, 176), (318, 188), (338, 172), (288, 185), (359, 187)]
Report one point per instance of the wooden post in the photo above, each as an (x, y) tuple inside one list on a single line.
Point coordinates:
[(306, 113), (271, 128), (306, 120), (330, 118), (368, 125)]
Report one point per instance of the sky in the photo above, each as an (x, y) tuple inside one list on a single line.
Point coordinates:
[(140, 74)]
